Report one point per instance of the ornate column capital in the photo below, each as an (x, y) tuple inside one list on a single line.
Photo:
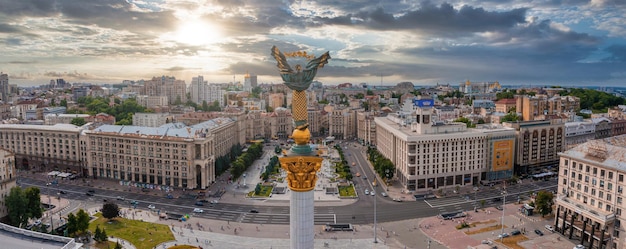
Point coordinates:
[(301, 171)]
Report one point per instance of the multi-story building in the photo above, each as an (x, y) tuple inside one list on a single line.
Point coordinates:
[(431, 155), (52, 119), (315, 121), (603, 127), (278, 124), (618, 126), (249, 82), (4, 87), (7, 178), (42, 147), (200, 91), (366, 128), (505, 105), (175, 90), (170, 155), (342, 123), (590, 196), (535, 107), (254, 126), (578, 132), (276, 100), (215, 93), (152, 101), (152, 119), (538, 145)]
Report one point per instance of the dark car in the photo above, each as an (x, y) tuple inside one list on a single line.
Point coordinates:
[(516, 232), (89, 194), (538, 232), (199, 203), (499, 208), (91, 191), (254, 211), (62, 192)]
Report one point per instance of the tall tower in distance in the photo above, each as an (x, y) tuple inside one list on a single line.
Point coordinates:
[(249, 82), (4, 86)]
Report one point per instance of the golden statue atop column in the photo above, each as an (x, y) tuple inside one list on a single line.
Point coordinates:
[(301, 163)]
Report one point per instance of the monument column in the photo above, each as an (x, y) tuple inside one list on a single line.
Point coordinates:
[(301, 163)]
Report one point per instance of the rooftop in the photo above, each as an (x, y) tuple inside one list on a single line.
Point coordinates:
[(610, 152)]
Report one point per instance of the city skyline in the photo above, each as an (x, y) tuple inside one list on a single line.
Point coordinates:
[(513, 42)]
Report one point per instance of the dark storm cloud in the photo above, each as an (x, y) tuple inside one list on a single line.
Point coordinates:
[(115, 14), (36, 8), (6, 28), (434, 19)]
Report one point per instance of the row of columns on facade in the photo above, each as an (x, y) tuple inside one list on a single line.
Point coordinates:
[(573, 216)]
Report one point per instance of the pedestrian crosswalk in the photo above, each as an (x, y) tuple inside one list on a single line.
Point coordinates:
[(319, 219)]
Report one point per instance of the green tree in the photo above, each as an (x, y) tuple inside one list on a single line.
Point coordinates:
[(467, 122), (544, 202), (215, 107), (178, 101), (359, 96), (256, 92), (33, 202), (78, 121), (97, 234), (82, 219), (53, 102), (64, 103), (103, 235), (117, 245), (505, 94), (205, 106), (369, 92), (110, 210), (16, 205), (72, 223), (510, 117)]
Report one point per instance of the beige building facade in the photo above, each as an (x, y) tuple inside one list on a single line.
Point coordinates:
[(171, 155), (538, 145), (43, 148), (431, 156), (366, 128), (590, 198), (7, 178)]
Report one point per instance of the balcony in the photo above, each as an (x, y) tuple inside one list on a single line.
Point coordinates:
[(597, 215)]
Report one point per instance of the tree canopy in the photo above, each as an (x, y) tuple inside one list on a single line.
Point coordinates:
[(544, 202), (78, 121), (123, 111), (594, 100), (23, 205), (110, 210)]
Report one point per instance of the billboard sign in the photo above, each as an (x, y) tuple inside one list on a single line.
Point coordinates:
[(423, 102), (502, 155)]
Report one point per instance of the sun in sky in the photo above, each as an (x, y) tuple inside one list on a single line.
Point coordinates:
[(195, 32)]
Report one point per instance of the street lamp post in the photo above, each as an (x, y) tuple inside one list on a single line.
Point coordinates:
[(375, 238), (387, 178), (502, 222)]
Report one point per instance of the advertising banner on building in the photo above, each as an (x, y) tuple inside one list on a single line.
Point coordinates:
[(503, 155)]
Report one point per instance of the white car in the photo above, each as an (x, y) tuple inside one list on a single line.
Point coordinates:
[(198, 210), (367, 192), (550, 228), (383, 194), (373, 193), (151, 206), (214, 201)]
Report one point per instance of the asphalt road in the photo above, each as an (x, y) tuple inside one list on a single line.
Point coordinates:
[(361, 212)]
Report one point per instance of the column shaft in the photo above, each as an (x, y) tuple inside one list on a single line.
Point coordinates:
[(301, 226)]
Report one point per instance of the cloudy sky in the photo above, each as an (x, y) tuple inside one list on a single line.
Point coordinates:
[(517, 42)]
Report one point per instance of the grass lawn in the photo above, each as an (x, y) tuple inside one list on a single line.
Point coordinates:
[(347, 191), (485, 229), (143, 235), (511, 242), (265, 191), (105, 245)]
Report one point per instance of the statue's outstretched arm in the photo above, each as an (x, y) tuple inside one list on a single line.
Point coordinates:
[(318, 62), (281, 61)]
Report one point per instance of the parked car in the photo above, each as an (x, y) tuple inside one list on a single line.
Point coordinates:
[(151, 206), (579, 246), (214, 201), (516, 232), (89, 193), (503, 235), (538, 232), (397, 199), (37, 223), (198, 210), (372, 193), (120, 198), (499, 208), (29, 226), (383, 194), (367, 192), (254, 211), (62, 192), (550, 228), (199, 203)]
